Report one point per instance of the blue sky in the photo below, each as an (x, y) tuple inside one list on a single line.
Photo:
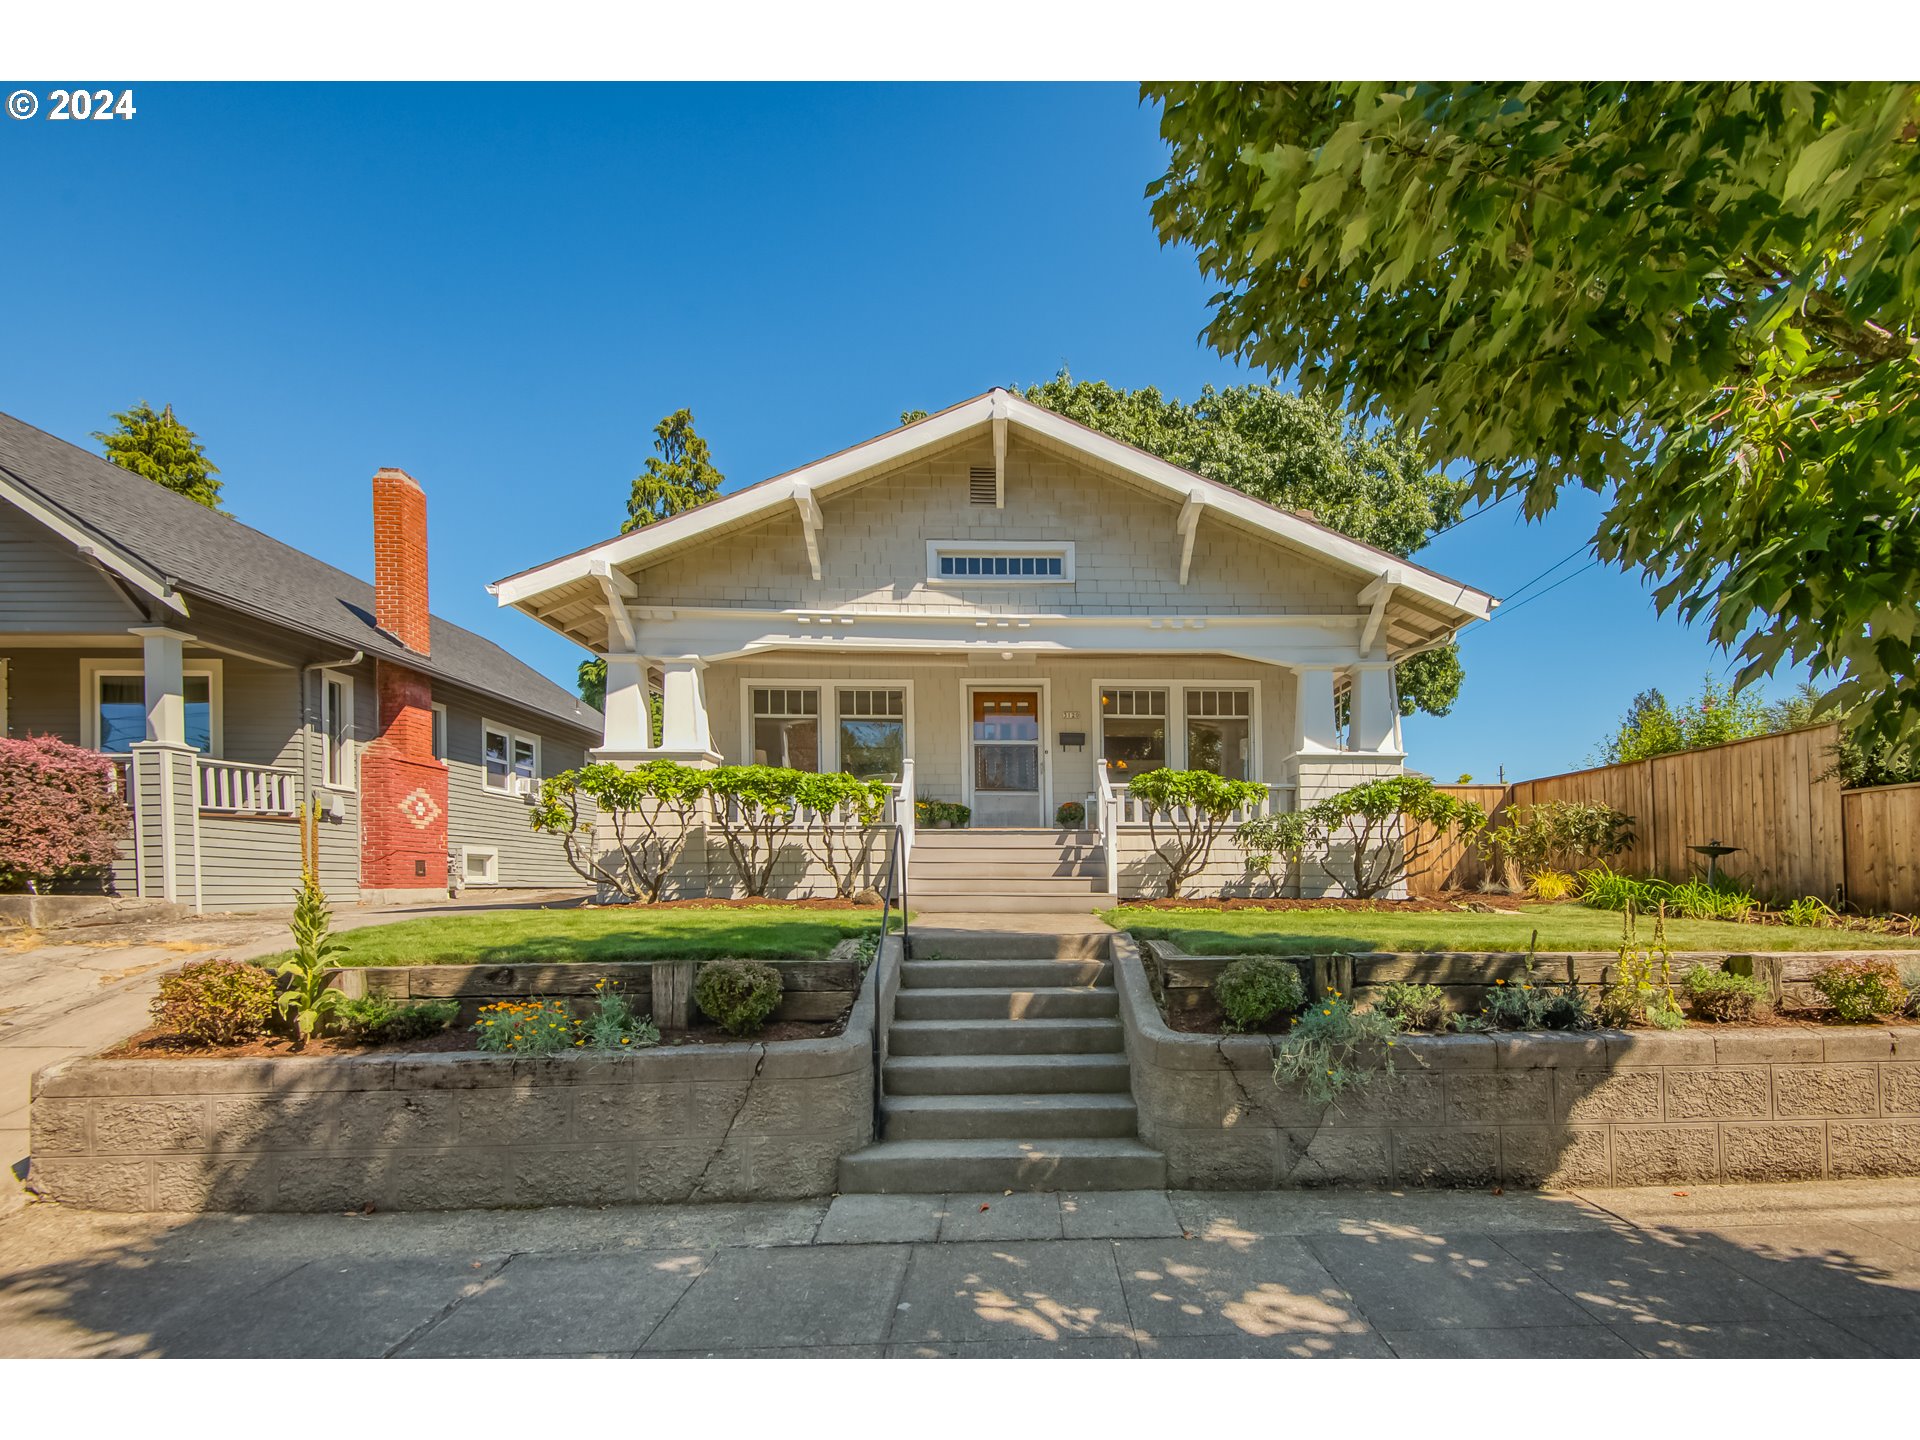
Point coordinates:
[(501, 289)]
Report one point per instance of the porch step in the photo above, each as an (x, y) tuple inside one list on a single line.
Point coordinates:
[(935, 943), (989, 1038), (1047, 1002), (977, 837), (967, 865), (1001, 975), (1001, 880), (991, 1117), (993, 902), (932, 1167), (1005, 1074)]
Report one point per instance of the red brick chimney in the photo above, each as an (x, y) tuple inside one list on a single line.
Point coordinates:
[(400, 559), (403, 799)]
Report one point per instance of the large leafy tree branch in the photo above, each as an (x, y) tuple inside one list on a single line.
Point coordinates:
[(1697, 298), (1305, 452)]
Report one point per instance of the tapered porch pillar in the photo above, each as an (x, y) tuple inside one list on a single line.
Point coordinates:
[(1376, 711), (686, 734)]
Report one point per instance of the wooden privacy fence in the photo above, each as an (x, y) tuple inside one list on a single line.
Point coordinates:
[(1798, 833)]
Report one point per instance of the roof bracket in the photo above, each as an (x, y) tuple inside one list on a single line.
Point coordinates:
[(617, 589), (1376, 593), (1189, 526), (811, 524)]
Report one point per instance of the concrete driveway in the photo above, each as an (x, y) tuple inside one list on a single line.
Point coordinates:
[(72, 991), (1829, 1269)]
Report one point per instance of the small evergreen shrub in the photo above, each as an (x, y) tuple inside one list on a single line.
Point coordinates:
[(1416, 1007), (738, 995), (1255, 990), (1721, 996), (382, 1020), (1333, 1049), (215, 1002), (1862, 989)]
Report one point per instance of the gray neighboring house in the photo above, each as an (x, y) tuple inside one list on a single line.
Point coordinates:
[(232, 677)]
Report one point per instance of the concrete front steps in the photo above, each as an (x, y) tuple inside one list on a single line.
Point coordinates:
[(1006, 1070), (1013, 871)]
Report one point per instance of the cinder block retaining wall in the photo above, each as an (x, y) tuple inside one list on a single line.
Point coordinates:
[(1604, 1107), (439, 1132)]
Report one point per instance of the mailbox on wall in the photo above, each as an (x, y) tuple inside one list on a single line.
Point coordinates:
[(1073, 739)]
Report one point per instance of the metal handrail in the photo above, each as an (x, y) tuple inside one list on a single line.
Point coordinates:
[(892, 878)]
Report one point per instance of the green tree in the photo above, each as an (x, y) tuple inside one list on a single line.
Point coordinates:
[(1652, 726), (680, 477), (1303, 452), (159, 447), (1698, 299)]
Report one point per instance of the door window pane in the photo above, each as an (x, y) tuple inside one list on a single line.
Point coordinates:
[(873, 733), (1006, 767), (1133, 730), (786, 728)]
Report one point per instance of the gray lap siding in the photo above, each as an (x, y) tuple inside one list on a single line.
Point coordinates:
[(477, 816)]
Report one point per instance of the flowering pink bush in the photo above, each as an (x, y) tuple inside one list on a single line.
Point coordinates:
[(60, 811)]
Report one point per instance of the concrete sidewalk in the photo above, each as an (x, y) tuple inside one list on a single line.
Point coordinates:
[(1787, 1271)]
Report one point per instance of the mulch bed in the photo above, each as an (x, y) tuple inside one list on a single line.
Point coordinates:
[(1281, 902), (156, 1044)]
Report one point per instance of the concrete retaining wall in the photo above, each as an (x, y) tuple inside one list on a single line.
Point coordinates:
[(437, 1132), (1604, 1107)]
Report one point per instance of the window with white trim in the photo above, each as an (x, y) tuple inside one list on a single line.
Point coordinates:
[(872, 732), (480, 865), (1133, 729), (1005, 562), (509, 759), (115, 706), (336, 730), (786, 726), (439, 732), (1220, 732)]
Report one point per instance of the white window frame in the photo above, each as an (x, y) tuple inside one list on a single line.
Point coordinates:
[(439, 741), (515, 737), (938, 548), (123, 667), (349, 775), (829, 712), (1177, 757), (490, 853)]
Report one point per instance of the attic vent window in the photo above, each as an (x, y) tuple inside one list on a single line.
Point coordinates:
[(981, 488), (1003, 562)]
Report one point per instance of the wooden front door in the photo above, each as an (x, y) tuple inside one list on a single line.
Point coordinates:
[(1007, 762)]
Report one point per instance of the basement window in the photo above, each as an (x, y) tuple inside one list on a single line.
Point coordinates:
[(480, 864)]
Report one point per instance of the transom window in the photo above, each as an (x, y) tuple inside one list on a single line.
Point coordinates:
[(1006, 562)]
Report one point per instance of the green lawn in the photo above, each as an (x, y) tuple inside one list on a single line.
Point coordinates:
[(527, 937), (1561, 927)]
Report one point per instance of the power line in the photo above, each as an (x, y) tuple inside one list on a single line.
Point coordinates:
[(1490, 505), (1514, 595), (1553, 587)]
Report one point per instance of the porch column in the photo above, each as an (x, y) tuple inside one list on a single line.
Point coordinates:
[(165, 776), (685, 732), (629, 728), (1376, 710), (1314, 729)]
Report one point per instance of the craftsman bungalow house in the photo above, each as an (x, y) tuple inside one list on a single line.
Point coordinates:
[(999, 607), (233, 677)]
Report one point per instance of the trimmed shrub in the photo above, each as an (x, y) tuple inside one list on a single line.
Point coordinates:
[(1415, 1006), (1862, 989), (381, 1020), (1255, 990), (1722, 996), (215, 1002), (63, 814), (738, 995)]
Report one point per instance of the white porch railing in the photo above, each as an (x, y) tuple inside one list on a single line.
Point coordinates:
[(229, 787), (1130, 811), (123, 776)]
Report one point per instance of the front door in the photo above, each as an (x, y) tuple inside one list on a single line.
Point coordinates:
[(1007, 763)]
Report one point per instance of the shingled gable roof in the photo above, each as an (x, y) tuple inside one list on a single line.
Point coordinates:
[(1449, 603), (164, 543)]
